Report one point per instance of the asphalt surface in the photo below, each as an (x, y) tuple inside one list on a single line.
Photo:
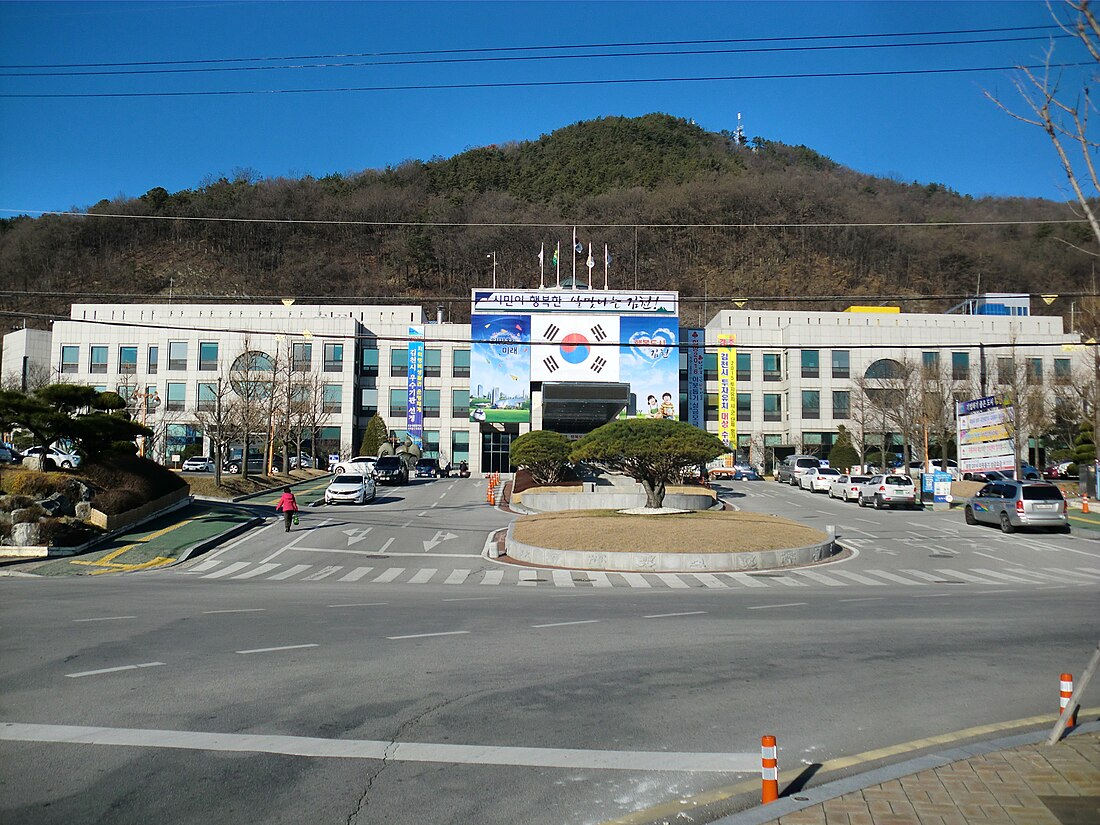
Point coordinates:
[(114, 680)]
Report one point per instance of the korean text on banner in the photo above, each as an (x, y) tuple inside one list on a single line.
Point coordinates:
[(727, 391), (500, 368), (649, 362), (696, 383), (415, 416)]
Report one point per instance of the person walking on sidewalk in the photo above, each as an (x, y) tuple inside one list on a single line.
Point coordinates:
[(289, 507)]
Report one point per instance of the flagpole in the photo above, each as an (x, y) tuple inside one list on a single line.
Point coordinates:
[(574, 256), (557, 262), (542, 251), (606, 261)]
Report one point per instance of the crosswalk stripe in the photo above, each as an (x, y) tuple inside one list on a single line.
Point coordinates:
[(1090, 569), (258, 570), (928, 577), (205, 565), (423, 576), (636, 580), (745, 579), (856, 577), (1074, 573), (817, 577), (782, 579), (893, 578), (389, 575), (993, 574), (710, 580), (961, 574), (356, 574), (457, 576), (599, 579), (528, 577), (673, 581), (227, 570), (1043, 575), (323, 573), (562, 578), (292, 571), (493, 577)]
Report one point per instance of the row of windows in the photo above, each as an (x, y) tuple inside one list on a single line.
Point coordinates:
[(205, 396), (301, 356)]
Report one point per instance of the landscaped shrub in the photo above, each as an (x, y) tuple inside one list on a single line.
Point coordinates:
[(118, 500), (65, 531), (14, 502), (37, 484), (129, 481)]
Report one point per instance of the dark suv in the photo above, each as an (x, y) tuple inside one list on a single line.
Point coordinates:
[(428, 468), (391, 469), (256, 466)]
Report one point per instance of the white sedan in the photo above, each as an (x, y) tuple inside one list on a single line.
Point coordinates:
[(353, 488), (847, 487), (198, 464), (818, 480)]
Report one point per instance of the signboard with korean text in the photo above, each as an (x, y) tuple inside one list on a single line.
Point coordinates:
[(696, 383), (985, 435), (415, 416), (649, 362), (727, 390), (575, 348), (500, 368), (618, 302)]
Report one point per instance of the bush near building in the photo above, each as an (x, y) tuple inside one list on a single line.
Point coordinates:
[(543, 453)]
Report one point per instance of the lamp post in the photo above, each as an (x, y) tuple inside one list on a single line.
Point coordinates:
[(143, 400), (493, 255)]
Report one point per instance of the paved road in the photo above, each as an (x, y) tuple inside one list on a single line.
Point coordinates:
[(175, 696)]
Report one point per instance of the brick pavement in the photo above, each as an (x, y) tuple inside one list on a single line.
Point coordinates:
[(1000, 788)]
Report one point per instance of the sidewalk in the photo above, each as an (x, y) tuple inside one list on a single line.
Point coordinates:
[(1025, 784)]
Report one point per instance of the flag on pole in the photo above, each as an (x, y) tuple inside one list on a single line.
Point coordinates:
[(591, 262), (606, 264), (542, 251), (575, 251), (557, 262)]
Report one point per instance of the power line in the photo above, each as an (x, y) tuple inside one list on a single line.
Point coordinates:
[(499, 49), (532, 84), (530, 58), (536, 225)]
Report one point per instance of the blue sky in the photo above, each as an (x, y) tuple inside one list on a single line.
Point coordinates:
[(57, 153)]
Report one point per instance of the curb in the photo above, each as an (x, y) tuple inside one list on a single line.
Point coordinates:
[(839, 787), (271, 490), (207, 544)]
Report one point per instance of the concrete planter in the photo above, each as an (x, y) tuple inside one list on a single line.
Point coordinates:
[(556, 502), (116, 522), (668, 562)]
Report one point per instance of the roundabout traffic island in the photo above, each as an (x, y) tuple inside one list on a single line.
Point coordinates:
[(689, 542)]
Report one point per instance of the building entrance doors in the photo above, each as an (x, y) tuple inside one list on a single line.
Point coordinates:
[(495, 445)]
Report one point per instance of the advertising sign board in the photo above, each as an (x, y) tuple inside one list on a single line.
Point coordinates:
[(984, 432), (415, 415), (727, 391), (500, 368)]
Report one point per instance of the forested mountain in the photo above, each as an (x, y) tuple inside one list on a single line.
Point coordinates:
[(650, 187)]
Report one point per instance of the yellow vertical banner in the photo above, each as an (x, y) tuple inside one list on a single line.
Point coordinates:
[(727, 391)]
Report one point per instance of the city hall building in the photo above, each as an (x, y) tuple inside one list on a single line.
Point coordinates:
[(770, 382)]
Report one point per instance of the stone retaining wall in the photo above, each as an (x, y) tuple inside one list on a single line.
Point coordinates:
[(115, 522), (557, 502)]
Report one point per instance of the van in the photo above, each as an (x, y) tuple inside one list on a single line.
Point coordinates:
[(794, 466)]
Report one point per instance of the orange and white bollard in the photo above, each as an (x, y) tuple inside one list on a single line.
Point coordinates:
[(769, 770), (1084, 504), (1065, 692)]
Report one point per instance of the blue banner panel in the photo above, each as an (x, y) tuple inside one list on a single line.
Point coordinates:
[(415, 416), (649, 362), (500, 368)]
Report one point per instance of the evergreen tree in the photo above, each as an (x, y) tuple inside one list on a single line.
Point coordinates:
[(374, 436), (843, 454)]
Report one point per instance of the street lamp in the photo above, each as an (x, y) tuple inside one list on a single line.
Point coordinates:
[(493, 255)]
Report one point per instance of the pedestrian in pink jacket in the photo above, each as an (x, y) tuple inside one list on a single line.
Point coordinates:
[(288, 506)]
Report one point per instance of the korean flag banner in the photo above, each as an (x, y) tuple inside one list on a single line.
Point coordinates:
[(575, 348)]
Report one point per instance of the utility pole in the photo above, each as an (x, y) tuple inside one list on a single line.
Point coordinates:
[(493, 255)]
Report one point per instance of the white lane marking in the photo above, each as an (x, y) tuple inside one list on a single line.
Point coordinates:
[(866, 520), (361, 604), (1081, 552), (894, 578), (635, 580), (1065, 572), (293, 542), (670, 615), (1090, 569), (745, 579), (710, 580), (564, 624), (782, 579), (562, 578), (422, 513), (290, 571), (376, 553), (443, 493), (820, 579), (323, 573), (987, 555), (423, 576), (673, 581), (1044, 576), (275, 649), (386, 546), (248, 535), (866, 599), (440, 753), (106, 619), (259, 570), (842, 528), (428, 635), (928, 577), (856, 577), (389, 575), (204, 565), (598, 579), (112, 670), (1002, 577), (458, 576), (493, 577), (962, 574), (472, 599), (990, 592), (930, 595), (769, 606), (235, 610), (528, 578), (406, 524), (355, 575), (435, 504), (229, 569)]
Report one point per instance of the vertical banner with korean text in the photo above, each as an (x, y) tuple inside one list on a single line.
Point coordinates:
[(696, 384), (415, 416), (727, 391)]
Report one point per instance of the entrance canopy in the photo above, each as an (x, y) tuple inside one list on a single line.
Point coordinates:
[(569, 407)]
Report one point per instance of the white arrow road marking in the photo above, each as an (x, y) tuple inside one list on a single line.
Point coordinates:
[(356, 536), (570, 758), (436, 540)]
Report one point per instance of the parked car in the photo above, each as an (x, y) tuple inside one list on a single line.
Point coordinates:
[(10, 456), (888, 491), (918, 467), (391, 469), (794, 466), (818, 481), (428, 468), (351, 488), (300, 462), (256, 465), (463, 470), (199, 464), (1014, 504), (847, 487), (986, 475), (1054, 472), (361, 464), (55, 457), (746, 473)]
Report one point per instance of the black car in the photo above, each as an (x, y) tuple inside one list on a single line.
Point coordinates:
[(391, 469), (256, 466)]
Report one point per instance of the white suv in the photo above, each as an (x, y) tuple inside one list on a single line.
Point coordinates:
[(888, 491), (362, 465)]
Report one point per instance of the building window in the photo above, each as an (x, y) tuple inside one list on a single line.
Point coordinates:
[(930, 361), (399, 362), (334, 357), (1063, 372), (208, 355), (1005, 370), (460, 446), (461, 368), (206, 399), (177, 396), (368, 402), (154, 360), (70, 358), (841, 363), (126, 392), (301, 356), (960, 366), (460, 403), (710, 366), (773, 406), (431, 444), (744, 366), (431, 403), (331, 398), (842, 404), (710, 407), (368, 361), (811, 404), (811, 363), (399, 403), (433, 358), (773, 370), (1035, 370), (177, 355), (127, 360), (744, 406), (98, 360)]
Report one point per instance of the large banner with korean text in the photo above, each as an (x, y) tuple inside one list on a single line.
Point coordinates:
[(500, 368), (696, 382), (649, 362), (415, 416), (727, 391)]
